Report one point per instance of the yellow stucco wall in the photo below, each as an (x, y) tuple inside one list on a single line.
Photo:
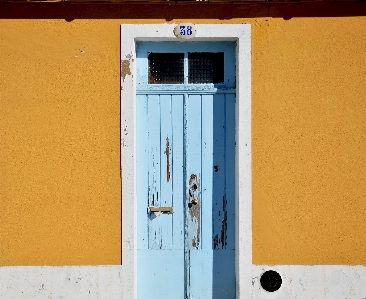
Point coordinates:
[(309, 142), (60, 140)]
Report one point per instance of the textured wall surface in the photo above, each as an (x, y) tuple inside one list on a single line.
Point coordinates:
[(59, 130), (309, 141), (60, 170)]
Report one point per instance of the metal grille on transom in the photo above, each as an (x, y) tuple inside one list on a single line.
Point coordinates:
[(166, 68), (206, 67), (203, 68)]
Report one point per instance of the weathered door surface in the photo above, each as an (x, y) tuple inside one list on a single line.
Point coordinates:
[(185, 128)]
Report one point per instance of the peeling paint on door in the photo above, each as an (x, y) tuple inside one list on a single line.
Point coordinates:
[(193, 225)]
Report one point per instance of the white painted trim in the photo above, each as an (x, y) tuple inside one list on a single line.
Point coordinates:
[(315, 282), (165, 32), (108, 282), (92, 282)]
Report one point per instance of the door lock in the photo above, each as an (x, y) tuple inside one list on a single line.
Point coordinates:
[(192, 203)]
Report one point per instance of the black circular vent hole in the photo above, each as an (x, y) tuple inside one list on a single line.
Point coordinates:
[(271, 281)]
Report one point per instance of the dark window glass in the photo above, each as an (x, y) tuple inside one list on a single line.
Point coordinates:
[(166, 68), (206, 67)]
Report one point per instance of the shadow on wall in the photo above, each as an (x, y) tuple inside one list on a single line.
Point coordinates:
[(70, 12)]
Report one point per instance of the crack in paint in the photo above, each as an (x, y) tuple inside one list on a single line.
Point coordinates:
[(224, 224)]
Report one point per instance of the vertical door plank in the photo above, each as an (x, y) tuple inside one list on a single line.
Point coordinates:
[(207, 170), (219, 198), (192, 145), (193, 170), (230, 170), (165, 170), (177, 171), (154, 169), (223, 284)]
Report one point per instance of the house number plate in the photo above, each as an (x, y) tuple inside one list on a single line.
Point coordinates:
[(185, 30)]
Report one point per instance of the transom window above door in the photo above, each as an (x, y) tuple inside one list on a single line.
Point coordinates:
[(181, 66), (176, 68)]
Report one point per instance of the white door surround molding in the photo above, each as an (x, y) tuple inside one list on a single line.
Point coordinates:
[(240, 33)]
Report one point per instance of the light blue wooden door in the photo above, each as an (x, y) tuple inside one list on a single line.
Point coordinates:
[(185, 128)]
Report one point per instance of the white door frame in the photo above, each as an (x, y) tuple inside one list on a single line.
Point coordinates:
[(240, 33)]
